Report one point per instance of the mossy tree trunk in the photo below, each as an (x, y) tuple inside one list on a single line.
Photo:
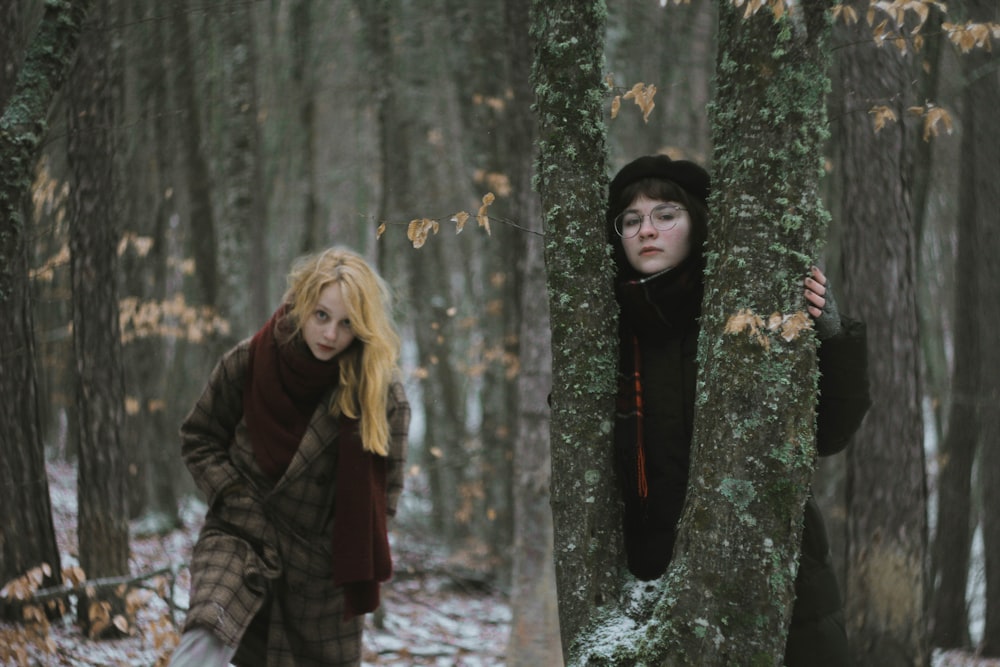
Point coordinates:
[(754, 443), (571, 182), (753, 453), (28, 536)]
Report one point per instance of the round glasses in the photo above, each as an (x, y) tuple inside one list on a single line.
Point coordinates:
[(663, 216)]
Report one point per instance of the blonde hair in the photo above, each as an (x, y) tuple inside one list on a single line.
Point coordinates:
[(368, 366)]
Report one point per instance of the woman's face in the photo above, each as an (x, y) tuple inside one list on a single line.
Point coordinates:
[(661, 234), (327, 331)]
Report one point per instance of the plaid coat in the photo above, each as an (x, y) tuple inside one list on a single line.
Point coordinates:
[(264, 553)]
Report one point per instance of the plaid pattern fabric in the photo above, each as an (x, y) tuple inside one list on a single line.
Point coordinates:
[(267, 548)]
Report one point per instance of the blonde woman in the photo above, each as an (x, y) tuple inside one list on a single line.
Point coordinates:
[(298, 443)]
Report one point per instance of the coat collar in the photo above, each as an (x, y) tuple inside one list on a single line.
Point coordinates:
[(663, 303)]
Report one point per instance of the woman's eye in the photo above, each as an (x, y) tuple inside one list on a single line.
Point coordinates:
[(631, 221), (321, 316)]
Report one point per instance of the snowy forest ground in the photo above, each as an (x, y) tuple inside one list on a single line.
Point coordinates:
[(432, 614)]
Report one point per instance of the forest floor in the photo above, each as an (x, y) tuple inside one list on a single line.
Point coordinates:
[(432, 614)]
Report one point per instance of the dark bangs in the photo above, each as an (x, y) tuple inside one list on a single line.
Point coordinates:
[(653, 188), (664, 190)]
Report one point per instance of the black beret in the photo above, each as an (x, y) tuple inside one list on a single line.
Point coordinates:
[(691, 177)]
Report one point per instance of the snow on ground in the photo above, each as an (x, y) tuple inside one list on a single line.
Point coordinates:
[(430, 617)]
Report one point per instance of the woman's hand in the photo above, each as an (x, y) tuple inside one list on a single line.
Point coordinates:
[(820, 304), (815, 290)]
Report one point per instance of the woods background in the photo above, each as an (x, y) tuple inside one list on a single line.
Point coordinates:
[(201, 146)]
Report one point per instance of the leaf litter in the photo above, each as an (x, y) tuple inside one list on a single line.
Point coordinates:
[(428, 616)]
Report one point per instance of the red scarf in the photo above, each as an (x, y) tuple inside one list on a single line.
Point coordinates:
[(361, 557), (285, 383), (651, 307)]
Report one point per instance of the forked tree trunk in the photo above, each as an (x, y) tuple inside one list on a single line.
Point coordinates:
[(741, 531)]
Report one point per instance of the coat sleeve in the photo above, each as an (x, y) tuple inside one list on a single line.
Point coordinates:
[(843, 387), (208, 430), (399, 428)]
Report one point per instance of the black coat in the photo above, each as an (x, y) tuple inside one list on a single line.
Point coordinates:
[(659, 315)]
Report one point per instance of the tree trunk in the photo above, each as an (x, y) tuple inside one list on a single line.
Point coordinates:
[(28, 536), (10, 49), (243, 223), (534, 638), (740, 532), (934, 313), (146, 350), (948, 614), (886, 488), (480, 84), (102, 483), (203, 234), (571, 182), (980, 165), (304, 79)]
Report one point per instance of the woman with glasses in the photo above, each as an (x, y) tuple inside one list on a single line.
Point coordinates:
[(657, 223)]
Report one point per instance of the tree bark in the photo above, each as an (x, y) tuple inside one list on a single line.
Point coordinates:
[(571, 180), (242, 227), (204, 233), (948, 613), (150, 418), (886, 487), (102, 483), (978, 184), (753, 453), (11, 25), (28, 535), (534, 638)]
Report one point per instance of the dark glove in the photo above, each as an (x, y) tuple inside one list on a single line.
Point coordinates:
[(828, 322)]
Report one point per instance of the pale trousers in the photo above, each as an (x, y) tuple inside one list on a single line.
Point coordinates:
[(199, 647)]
